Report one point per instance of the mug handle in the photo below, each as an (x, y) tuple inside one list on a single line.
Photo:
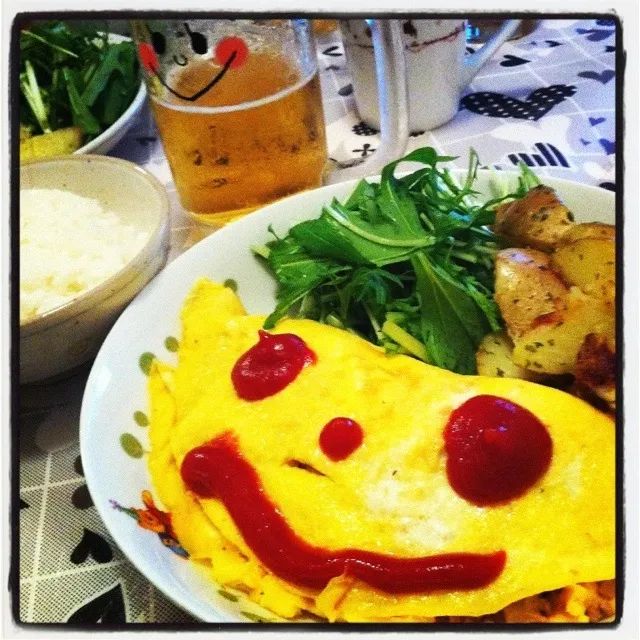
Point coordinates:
[(391, 72), (474, 62)]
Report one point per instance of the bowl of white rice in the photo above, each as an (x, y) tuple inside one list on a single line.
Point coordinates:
[(94, 230)]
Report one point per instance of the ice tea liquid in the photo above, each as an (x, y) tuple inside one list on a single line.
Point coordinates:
[(258, 135)]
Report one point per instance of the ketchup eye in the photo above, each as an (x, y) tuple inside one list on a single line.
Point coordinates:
[(158, 42), (270, 366), (198, 41), (496, 450)]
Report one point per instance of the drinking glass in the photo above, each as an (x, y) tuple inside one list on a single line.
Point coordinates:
[(238, 108)]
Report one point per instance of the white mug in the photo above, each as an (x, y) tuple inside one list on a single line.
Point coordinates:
[(437, 69)]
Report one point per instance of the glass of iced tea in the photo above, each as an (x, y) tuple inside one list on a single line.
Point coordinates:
[(238, 107)]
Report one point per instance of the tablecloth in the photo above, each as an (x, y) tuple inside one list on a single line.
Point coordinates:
[(70, 568)]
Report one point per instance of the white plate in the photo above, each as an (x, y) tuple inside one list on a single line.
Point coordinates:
[(110, 137), (117, 387)]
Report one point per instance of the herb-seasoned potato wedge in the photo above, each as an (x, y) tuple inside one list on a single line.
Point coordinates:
[(526, 288), (595, 369), (589, 230), (494, 358), (537, 220), (586, 258), (552, 346)]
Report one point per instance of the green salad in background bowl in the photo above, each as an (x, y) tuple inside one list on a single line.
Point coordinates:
[(80, 89)]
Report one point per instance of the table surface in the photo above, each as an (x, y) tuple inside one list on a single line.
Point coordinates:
[(70, 567)]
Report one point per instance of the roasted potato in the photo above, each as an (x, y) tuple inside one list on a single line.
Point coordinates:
[(494, 358), (537, 220), (595, 369), (589, 230), (552, 345), (586, 257), (556, 298), (526, 288), (60, 142)]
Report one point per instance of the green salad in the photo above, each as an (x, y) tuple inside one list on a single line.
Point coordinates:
[(408, 263), (73, 86)]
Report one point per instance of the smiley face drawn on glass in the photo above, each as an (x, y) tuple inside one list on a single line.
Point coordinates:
[(230, 52)]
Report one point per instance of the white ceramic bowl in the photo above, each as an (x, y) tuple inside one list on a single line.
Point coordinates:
[(110, 137), (117, 388), (63, 338)]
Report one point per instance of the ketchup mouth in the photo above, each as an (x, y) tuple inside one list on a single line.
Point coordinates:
[(218, 470)]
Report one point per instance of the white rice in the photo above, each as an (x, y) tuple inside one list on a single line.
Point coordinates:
[(68, 245)]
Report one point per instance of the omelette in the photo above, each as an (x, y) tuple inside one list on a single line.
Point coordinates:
[(319, 474)]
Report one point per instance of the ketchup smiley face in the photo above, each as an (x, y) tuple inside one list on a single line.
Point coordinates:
[(496, 450), (270, 365)]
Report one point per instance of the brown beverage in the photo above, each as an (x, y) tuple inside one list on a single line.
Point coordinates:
[(254, 149)]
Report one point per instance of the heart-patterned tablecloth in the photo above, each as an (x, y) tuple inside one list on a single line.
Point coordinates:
[(547, 100)]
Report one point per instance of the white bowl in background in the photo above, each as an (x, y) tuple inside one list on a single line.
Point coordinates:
[(59, 340), (117, 388)]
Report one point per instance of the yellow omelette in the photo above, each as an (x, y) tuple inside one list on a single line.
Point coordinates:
[(392, 494)]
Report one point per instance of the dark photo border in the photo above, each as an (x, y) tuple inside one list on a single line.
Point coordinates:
[(14, 576)]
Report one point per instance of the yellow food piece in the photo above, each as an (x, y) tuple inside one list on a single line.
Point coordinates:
[(551, 302), (526, 288), (60, 142), (589, 261), (553, 345), (538, 220), (392, 494), (589, 230), (495, 358)]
